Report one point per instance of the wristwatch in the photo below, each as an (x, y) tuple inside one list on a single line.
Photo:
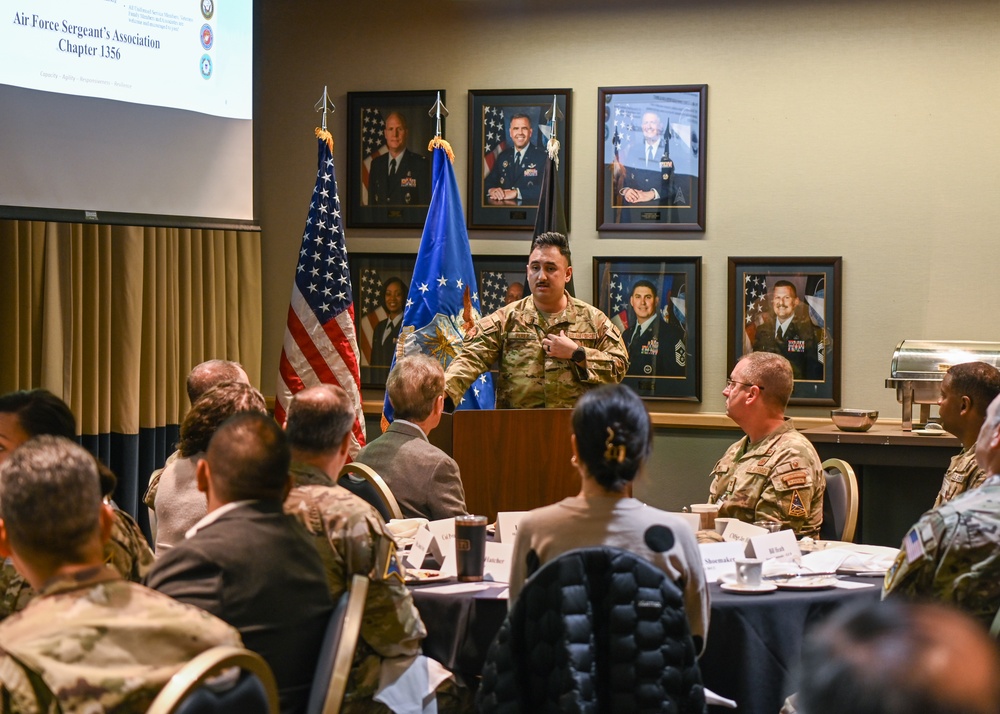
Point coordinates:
[(579, 355)]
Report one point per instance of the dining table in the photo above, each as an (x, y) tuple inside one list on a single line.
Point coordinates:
[(753, 648)]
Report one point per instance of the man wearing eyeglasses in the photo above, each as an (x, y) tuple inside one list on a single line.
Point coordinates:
[(773, 473)]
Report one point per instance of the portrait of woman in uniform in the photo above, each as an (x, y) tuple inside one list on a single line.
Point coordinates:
[(791, 307), (381, 283), (656, 303)]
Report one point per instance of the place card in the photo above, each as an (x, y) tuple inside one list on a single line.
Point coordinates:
[(422, 541), (507, 523), (742, 532), (443, 548), (718, 558), (497, 564), (780, 546)]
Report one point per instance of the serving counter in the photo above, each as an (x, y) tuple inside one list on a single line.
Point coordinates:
[(899, 474)]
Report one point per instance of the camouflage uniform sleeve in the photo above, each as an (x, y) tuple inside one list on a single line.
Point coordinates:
[(794, 494), (607, 360), (15, 593), (23, 692), (128, 552), (915, 579), (391, 626), (480, 349)]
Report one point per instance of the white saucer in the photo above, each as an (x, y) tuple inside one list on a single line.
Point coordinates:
[(929, 432), (749, 589), (822, 582)]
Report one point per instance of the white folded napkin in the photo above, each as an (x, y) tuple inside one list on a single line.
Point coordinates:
[(407, 685), (405, 527)]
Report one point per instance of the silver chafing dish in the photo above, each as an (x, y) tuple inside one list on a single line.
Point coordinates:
[(919, 366)]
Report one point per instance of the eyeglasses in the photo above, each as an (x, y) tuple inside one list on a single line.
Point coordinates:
[(730, 382)]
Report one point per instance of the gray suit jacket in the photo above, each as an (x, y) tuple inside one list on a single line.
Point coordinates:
[(424, 479)]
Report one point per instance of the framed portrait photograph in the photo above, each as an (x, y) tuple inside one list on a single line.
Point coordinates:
[(508, 134), (790, 306), (389, 166), (651, 158), (656, 303), (381, 282), (502, 279)]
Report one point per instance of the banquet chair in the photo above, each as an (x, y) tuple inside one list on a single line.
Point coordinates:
[(337, 653), (840, 502), (386, 502), (596, 629), (189, 692)]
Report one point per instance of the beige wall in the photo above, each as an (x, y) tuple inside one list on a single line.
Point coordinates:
[(861, 129)]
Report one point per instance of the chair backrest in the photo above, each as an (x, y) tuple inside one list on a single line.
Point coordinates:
[(596, 629), (840, 502), (337, 654), (187, 692), (377, 483)]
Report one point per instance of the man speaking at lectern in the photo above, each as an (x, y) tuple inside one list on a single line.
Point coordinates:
[(550, 346)]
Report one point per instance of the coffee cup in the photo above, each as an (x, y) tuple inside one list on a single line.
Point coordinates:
[(749, 572), (470, 547), (722, 523), (708, 512)]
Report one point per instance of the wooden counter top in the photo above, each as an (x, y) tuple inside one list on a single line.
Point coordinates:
[(879, 435)]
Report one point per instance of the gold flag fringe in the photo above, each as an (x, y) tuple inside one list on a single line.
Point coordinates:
[(325, 136), (436, 142), (553, 149)]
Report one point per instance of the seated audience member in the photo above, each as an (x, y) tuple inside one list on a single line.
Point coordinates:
[(773, 473), (200, 379), (966, 393), (611, 440), (249, 563), (899, 658), (424, 479), (27, 414), (952, 554), (352, 539), (90, 641), (178, 503)]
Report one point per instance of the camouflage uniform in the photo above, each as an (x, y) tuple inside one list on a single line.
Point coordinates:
[(778, 479), (149, 498), (127, 552), (94, 643), (528, 377), (352, 538), (960, 559), (963, 475)]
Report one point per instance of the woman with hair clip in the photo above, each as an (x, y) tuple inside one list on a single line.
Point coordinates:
[(27, 414), (611, 440)]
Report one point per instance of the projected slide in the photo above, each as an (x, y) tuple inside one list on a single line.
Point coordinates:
[(184, 54)]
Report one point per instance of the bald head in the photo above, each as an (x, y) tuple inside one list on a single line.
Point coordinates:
[(319, 419), (211, 373)]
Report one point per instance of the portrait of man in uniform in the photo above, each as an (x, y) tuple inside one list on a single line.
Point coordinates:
[(509, 133), (389, 182), (790, 307), (655, 305)]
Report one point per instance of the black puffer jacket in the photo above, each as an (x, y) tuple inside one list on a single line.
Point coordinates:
[(595, 630)]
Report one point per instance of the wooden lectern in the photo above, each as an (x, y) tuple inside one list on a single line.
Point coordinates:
[(510, 459)]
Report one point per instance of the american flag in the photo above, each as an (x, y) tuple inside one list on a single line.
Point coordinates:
[(372, 144), (494, 137), (618, 295), (494, 291), (372, 311), (754, 307), (320, 346)]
